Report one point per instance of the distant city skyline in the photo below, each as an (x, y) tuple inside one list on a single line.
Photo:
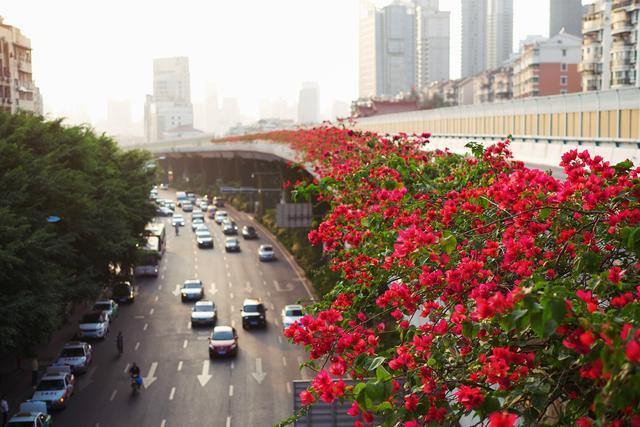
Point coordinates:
[(103, 62)]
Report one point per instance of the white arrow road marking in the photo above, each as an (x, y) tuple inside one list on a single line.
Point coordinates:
[(88, 378), (287, 288), (150, 378), (259, 375), (213, 289), (113, 395), (172, 393), (204, 377), (176, 291)]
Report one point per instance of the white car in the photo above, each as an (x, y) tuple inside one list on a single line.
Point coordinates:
[(203, 313), (291, 314), (221, 216), (196, 222), (204, 239), (192, 290), (109, 306), (55, 387), (77, 355), (31, 414), (266, 253), (94, 325), (177, 219), (231, 244)]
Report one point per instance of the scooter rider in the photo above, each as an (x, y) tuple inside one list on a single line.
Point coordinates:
[(134, 370)]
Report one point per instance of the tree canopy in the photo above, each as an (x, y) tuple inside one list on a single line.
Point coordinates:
[(99, 192)]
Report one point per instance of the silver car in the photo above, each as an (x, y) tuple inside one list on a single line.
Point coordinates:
[(77, 355), (203, 313)]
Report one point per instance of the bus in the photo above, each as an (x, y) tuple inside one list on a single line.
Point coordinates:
[(149, 258), (155, 229)]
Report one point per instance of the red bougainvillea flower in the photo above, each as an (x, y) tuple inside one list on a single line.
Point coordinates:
[(502, 419)]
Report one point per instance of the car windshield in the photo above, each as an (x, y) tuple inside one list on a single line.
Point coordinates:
[(232, 241), (203, 233), (294, 312), (104, 306), (197, 220), (252, 308), (177, 217), (20, 424), (72, 352), (204, 307), (222, 335), (91, 318), (46, 385), (250, 229), (192, 285), (121, 289), (267, 249)]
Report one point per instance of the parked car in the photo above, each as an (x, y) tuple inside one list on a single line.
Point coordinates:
[(254, 313), (223, 342), (291, 314), (177, 219), (77, 355), (203, 313), (220, 216), (94, 325), (249, 233), (123, 292), (195, 223), (192, 290), (108, 306), (232, 244), (55, 387), (32, 413), (204, 239), (266, 253)]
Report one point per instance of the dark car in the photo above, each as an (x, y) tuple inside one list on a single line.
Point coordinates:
[(254, 314), (248, 232), (229, 228), (218, 202), (123, 292)]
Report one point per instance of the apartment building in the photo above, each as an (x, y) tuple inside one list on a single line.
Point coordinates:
[(611, 45), (548, 67), (18, 91)]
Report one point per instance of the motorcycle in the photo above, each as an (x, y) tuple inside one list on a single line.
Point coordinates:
[(136, 383)]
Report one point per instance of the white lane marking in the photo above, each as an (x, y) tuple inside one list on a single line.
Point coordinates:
[(185, 343), (232, 365), (230, 285), (268, 293), (273, 307), (231, 295), (162, 277), (172, 393), (163, 423), (264, 282), (260, 271), (284, 361), (195, 267), (289, 387), (137, 346), (139, 317), (232, 309), (189, 324), (279, 339), (151, 312), (180, 366), (228, 274), (159, 287), (146, 325), (126, 368), (113, 395), (156, 298), (230, 390), (226, 265), (228, 420)]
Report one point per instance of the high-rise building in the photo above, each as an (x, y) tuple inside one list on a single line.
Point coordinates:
[(170, 106), (499, 35), (308, 103), (565, 14), (548, 67), (432, 43), (369, 52), (397, 49), (610, 45), (474, 30), (17, 88)]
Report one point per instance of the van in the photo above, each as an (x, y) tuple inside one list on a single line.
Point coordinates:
[(181, 196)]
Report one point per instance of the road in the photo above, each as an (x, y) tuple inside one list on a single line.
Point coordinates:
[(182, 386)]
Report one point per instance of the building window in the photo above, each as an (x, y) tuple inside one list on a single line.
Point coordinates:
[(563, 67), (564, 52), (563, 80)]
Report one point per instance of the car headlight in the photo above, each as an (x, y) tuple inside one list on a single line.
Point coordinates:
[(234, 345)]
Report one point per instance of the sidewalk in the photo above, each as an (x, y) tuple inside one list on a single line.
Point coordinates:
[(15, 381)]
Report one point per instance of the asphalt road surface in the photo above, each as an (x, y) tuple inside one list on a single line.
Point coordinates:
[(182, 387)]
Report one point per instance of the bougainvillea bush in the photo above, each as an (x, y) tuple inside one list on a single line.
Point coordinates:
[(473, 288)]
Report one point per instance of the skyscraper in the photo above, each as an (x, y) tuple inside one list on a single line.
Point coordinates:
[(565, 14), (397, 49), (474, 22), (432, 43), (309, 103), (369, 52), (170, 106), (499, 38)]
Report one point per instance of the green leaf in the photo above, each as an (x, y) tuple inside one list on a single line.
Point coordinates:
[(589, 262), (382, 374), (537, 323), (623, 166), (558, 309), (544, 213), (467, 329), (448, 242)]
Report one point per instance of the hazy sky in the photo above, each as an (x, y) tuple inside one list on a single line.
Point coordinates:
[(86, 52)]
